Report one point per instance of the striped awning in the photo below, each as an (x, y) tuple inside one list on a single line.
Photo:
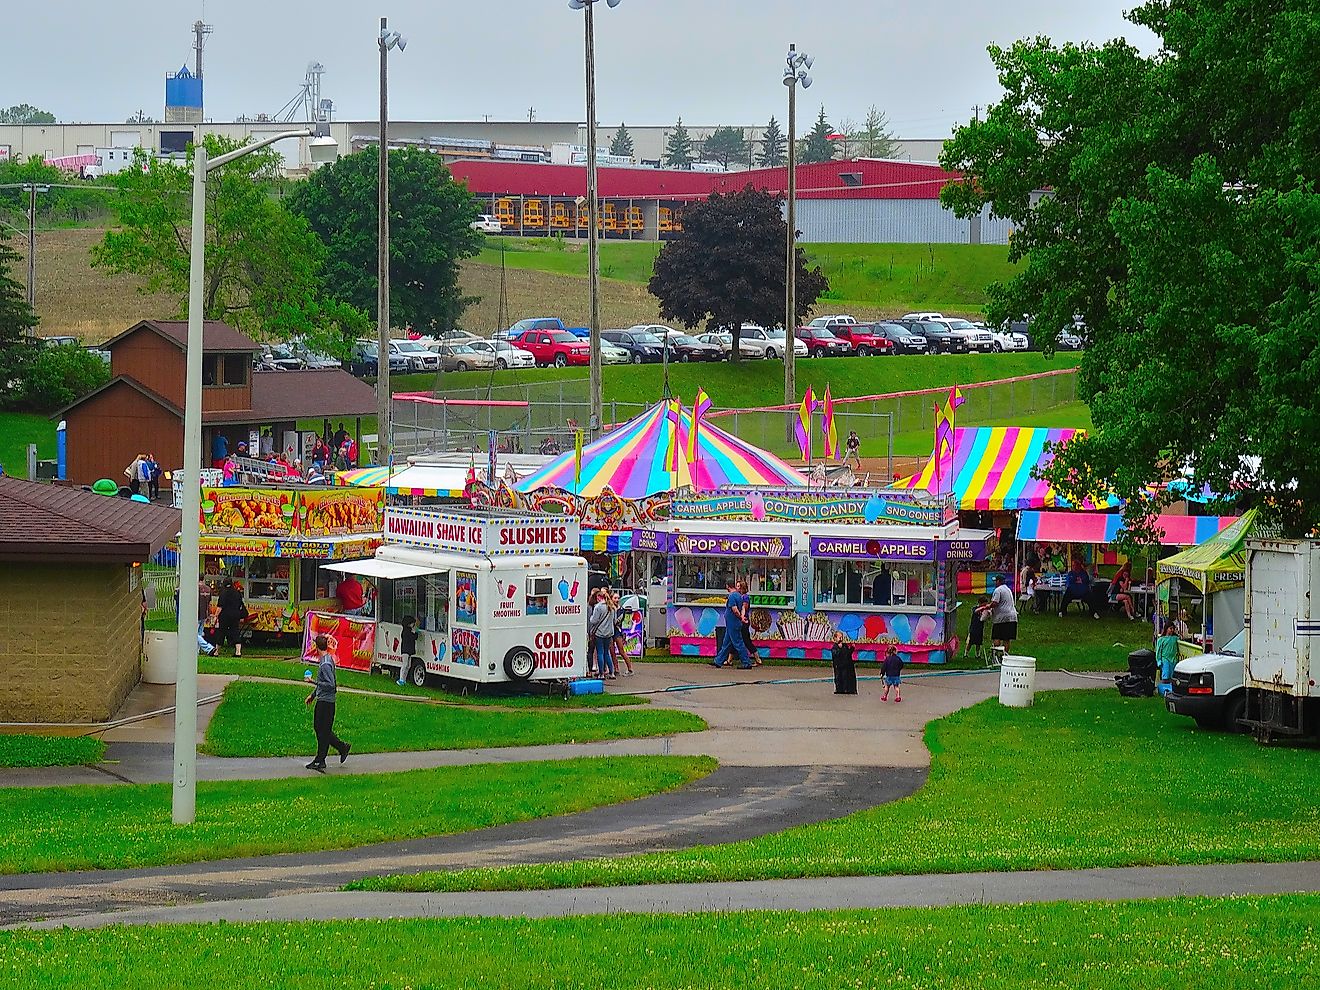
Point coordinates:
[(1103, 527), (603, 541)]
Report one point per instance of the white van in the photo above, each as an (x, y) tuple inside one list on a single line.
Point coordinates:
[(498, 595)]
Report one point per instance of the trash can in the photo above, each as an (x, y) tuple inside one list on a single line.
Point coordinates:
[(1017, 682), (1141, 663), (161, 658)]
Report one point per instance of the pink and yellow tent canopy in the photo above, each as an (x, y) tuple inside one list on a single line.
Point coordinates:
[(992, 468), (631, 461)]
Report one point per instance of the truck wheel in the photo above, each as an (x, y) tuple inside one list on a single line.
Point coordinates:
[(1234, 710), (997, 347), (417, 674), (502, 364), (770, 354), (636, 359), (863, 351), (1203, 722), (519, 664), (561, 361), (461, 366)]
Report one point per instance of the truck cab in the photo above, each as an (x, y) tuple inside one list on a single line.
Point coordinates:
[(1210, 688)]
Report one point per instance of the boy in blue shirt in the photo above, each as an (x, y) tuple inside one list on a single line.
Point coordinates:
[(735, 617)]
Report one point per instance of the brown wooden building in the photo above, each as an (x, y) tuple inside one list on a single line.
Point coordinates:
[(140, 410)]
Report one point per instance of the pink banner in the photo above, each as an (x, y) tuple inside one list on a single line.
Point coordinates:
[(352, 639)]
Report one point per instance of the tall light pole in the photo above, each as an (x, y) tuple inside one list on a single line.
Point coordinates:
[(384, 398), (32, 189), (795, 71), (593, 213), (321, 149)]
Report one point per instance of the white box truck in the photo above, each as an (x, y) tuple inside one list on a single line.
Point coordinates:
[(497, 595), (1282, 624)]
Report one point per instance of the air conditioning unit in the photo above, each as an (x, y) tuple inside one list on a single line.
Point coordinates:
[(539, 587)]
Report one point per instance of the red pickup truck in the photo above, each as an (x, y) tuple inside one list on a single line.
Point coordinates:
[(861, 339), (554, 347)]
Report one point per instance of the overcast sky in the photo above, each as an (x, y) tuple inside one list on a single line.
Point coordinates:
[(712, 61)]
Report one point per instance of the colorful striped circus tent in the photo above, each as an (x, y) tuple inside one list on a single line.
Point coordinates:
[(631, 461), (991, 469)]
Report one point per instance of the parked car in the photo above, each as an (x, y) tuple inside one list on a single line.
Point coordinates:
[(504, 354), (1007, 339), (313, 359), (364, 362), (904, 341), (101, 353), (486, 223), (1070, 338), (978, 339), (747, 349), (938, 335), (61, 341), (464, 357), (554, 347), (643, 348), (280, 357), (822, 343), (922, 316), (656, 330), (684, 348), (549, 324), (862, 338), (613, 354), (1211, 688), (417, 356), (773, 339), (455, 336), (830, 322)]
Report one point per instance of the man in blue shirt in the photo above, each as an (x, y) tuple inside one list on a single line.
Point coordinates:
[(735, 616)]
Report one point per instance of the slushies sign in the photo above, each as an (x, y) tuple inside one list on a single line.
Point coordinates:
[(833, 507), (501, 535)]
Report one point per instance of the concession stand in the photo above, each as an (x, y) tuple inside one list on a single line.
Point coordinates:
[(275, 542), (879, 567)]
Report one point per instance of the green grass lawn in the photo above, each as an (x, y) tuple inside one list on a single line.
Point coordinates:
[(1188, 943), (49, 751), (292, 670), (894, 277), (271, 720), (1083, 779), (107, 827), (1077, 642), (17, 430), (759, 383)]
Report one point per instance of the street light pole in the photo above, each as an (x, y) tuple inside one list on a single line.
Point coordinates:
[(384, 397), (184, 802), (32, 246), (794, 72), (596, 414)]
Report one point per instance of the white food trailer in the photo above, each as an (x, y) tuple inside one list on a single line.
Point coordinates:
[(498, 595)]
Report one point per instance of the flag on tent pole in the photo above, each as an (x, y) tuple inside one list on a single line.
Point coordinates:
[(700, 405), (671, 455), (831, 451), (803, 425), (577, 457), (944, 435)]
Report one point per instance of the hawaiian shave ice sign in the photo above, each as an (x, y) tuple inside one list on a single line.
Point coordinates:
[(499, 535), (732, 545), (843, 506)]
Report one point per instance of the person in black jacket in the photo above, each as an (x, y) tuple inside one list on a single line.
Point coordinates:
[(892, 666), (232, 613), (845, 665)]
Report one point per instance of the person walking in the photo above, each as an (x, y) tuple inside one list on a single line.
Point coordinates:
[(892, 668), (734, 620), (1003, 615), (619, 644), (843, 654), (232, 613), (602, 633), (324, 691)]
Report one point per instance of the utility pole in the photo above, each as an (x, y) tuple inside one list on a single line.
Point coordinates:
[(596, 414), (384, 397), (32, 246), (795, 71)]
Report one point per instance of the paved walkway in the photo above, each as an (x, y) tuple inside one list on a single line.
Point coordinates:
[(831, 893)]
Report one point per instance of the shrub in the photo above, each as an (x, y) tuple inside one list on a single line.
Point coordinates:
[(58, 376)]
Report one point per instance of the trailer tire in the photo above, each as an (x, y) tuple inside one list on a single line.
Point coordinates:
[(417, 674), (1234, 710), (519, 664)]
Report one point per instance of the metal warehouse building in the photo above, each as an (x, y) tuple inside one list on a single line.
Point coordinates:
[(867, 201)]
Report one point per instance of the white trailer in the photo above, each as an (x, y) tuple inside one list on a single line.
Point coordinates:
[(498, 596), (1282, 623)]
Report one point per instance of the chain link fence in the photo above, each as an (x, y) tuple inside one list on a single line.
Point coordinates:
[(533, 416)]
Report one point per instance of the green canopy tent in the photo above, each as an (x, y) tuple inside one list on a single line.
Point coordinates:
[(1216, 569)]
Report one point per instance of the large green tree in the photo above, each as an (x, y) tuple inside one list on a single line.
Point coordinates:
[(16, 323), (817, 146), (678, 147), (727, 266), (25, 113), (1170, 201), (726, 145), (430, 233), (874, 139), (622, 143), (263, 264), (774, 146)]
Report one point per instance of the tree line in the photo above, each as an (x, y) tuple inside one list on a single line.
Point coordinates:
[(729, 146)]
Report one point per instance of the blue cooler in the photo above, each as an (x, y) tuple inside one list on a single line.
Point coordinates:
[(587, 685)]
